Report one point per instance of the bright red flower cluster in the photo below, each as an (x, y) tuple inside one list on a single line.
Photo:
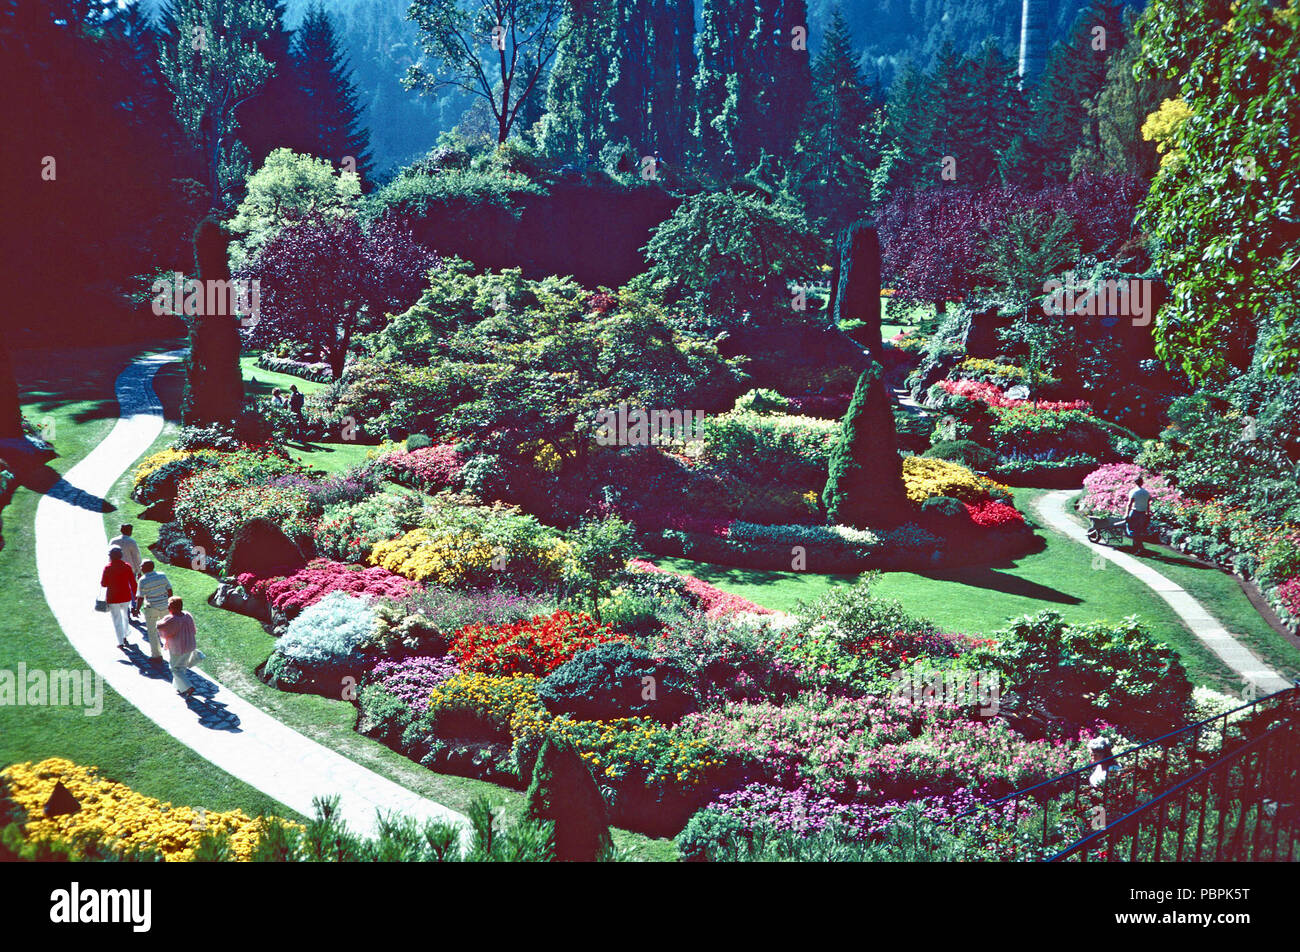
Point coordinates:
[(319, 577), (994, 396), (535, 647), (992, 515)]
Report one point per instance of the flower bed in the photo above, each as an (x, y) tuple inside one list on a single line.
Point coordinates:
[(993, 396), (537, 647), (429, 469), (291, 594), (118, 817), (926, 477), (990, 514), (1107, 488), (712, 600)]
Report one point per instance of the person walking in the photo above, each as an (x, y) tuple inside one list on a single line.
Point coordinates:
[(1137, 517), (296, 401), (180, 634), (119, 592), (154, 589), (130, 554)]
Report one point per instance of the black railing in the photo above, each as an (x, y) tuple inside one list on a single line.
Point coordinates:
[(1217, 772)]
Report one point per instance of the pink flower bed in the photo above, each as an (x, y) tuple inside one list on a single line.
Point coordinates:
[(433, 467), (714, 601), (1289, 595), (994, 396), (1107, 488), (310, 584), (993, 515)]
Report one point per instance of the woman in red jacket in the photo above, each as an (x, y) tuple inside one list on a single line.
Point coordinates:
[(118, 580)]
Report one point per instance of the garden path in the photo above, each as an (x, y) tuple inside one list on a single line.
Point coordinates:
[(216, 723), (1202, 624)]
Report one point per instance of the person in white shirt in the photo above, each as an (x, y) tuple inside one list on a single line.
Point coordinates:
[(154, 591), (1138, 514), (131, 556)]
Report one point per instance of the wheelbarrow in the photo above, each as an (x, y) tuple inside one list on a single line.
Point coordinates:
[(1107, 530)]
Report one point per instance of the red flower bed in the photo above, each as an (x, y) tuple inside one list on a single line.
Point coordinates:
[(433, 467), (995, 397), (320, 577), (714, 601), (993, 515), (535, 647)]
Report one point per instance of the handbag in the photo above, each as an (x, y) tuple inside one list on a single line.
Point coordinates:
[(101, 604)]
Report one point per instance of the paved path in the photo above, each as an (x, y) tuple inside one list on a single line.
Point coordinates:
[(1203, 625), (217, 724)]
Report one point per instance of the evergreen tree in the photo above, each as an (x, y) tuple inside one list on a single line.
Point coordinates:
[(837, 154), (1075, 74), (864, 487), (573, 126), (978, 111), (562, 791), (274, 117), (753, 82), (214, 387), (1113, 143), (333, 129), (910, 113)]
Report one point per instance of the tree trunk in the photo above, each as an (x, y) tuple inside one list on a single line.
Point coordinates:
[(11, 419), (857, 295)]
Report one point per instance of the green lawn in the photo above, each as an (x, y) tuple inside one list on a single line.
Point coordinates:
[(125, 744), (980, 600), (260, 383), (71, 390)]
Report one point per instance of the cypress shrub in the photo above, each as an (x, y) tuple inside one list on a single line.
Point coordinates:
[(865, 485), (563, 791)]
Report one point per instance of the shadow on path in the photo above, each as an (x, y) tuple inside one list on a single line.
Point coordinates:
[(211, 713)]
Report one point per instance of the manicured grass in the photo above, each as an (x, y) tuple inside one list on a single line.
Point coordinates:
[(126, 745), (980, 600), (260, 383), (330, 457)]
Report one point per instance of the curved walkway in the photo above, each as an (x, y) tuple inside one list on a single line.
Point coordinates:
[(217, 724), (1202, 624)]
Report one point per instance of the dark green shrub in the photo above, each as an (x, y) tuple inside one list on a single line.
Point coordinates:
[(967, 452), (609, 682), (865, 482), (707, 833), (564, 793), (943, 507), (174, 546), (417, 441)]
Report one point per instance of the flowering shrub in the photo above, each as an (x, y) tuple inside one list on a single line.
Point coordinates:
[(479, 706), (115, 816), (448, 558), (212, 510), (626, 753), (993, 515), (1050, 434), (319, 578), (538, 646), (992, 371), (730, 659), (925, 477), (750, 443), (866, 748), (1107, 488), (324, 491), (411, 680), (803, 535), (430, 469), (324, 645), (348, 532), (713, 601), (157, 477), (1288, 593)]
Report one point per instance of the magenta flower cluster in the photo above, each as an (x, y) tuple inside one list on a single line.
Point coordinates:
[(1108, 488), (412, 680), (319, 577)]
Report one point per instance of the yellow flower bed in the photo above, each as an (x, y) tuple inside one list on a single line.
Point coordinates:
[(489, 699), (118, 816), (925, 478), (615, 748), (151, 464), (447, 557)]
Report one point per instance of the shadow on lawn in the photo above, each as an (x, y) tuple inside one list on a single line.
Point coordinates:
[(993, 580)]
